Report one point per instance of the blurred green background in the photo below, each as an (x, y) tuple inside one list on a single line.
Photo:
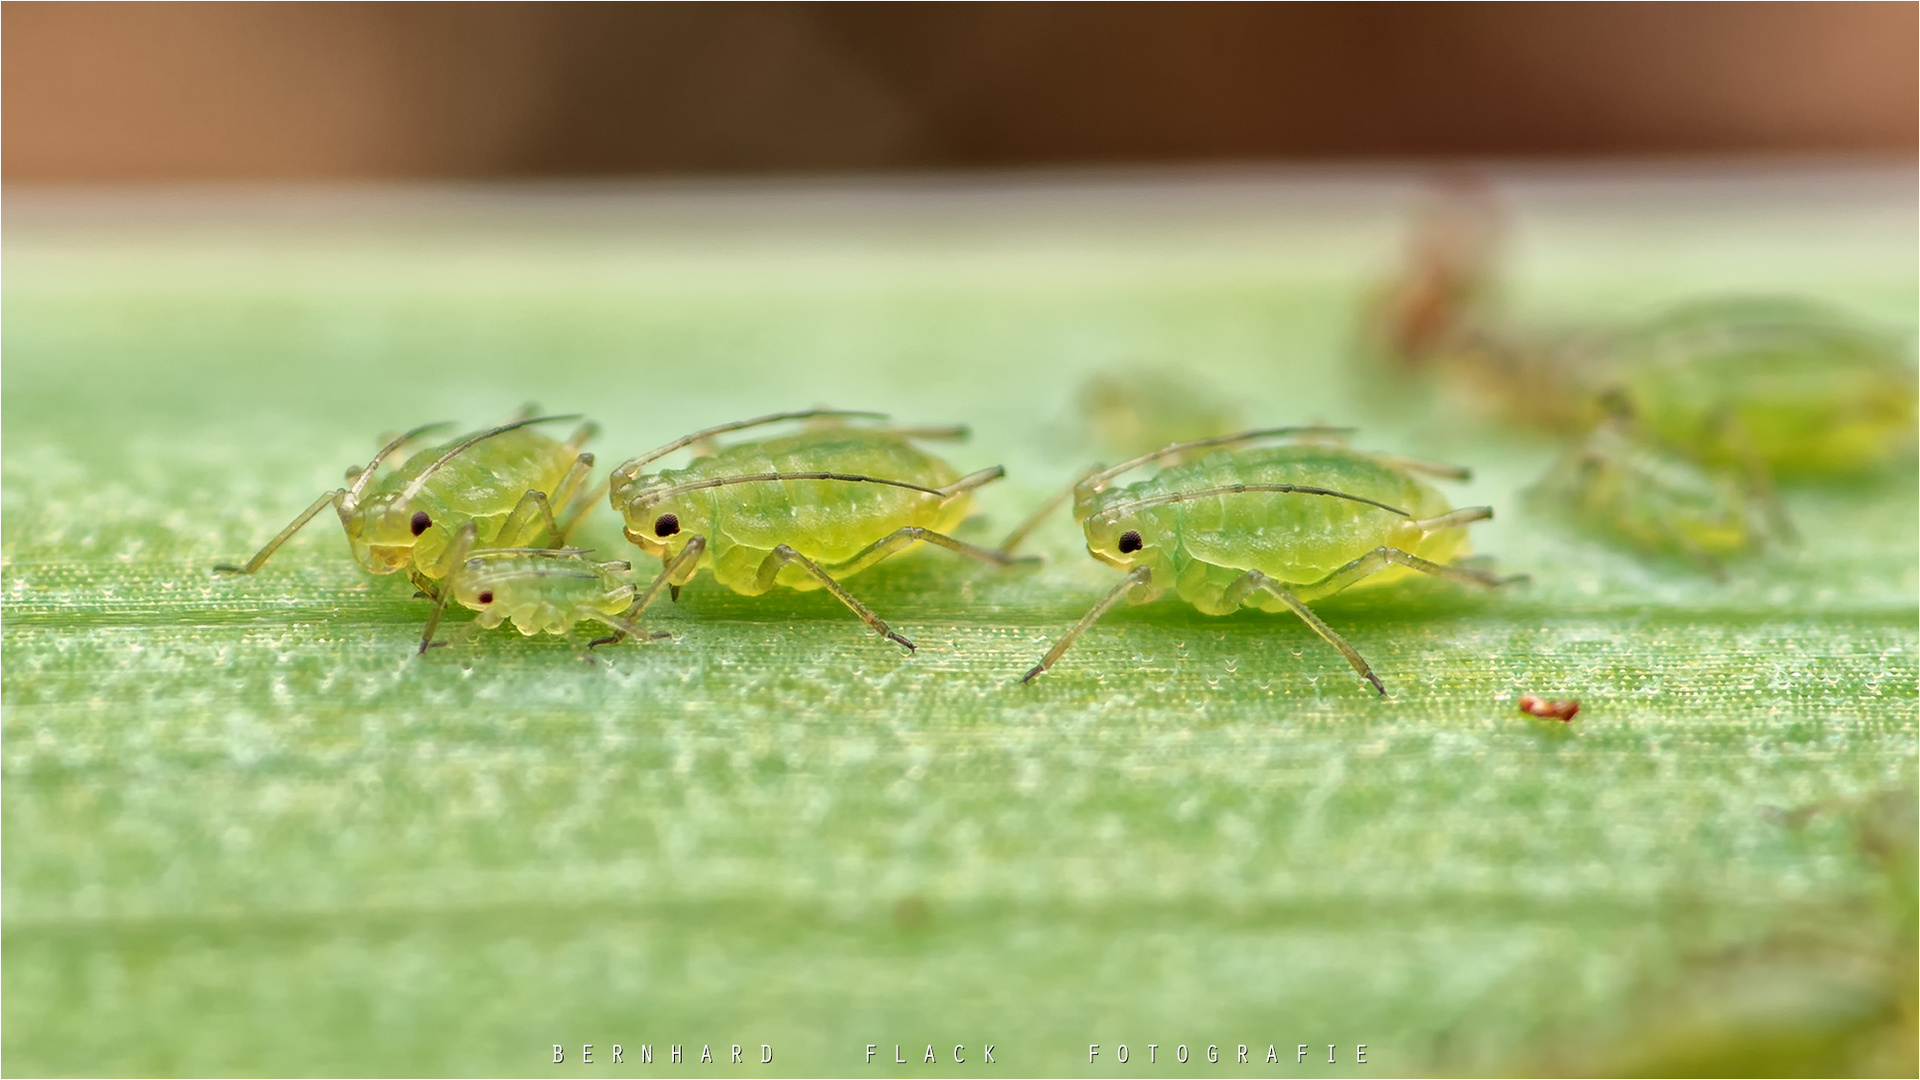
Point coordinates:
[(247, 830)]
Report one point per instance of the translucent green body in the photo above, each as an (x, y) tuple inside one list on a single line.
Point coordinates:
[(1201, 546), (1788, 384), (1654, 499), (541, 593), (483, 484), (828, 521)]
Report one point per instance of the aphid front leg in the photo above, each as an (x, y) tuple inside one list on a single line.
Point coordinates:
[(1139, 575), (673, 572), (330, 498), (1253, 580), (782, 555), (450, 563)]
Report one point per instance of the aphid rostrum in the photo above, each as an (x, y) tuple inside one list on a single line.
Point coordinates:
[(1273, 527), (803, 511), (500, 485)]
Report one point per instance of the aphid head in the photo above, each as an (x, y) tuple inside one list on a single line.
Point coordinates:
[(386, 531), (1121, 540), (658, 518)]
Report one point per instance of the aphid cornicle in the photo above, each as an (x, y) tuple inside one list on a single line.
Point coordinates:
[(1269, 527), (801, 511), (545, 590), (496, 488)]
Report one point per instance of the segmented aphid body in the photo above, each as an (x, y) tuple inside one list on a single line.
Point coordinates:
[(544, 591), (828, 520), (501, 485), (1786, 384), (799, 511), (1622, 484), (1200, 545), (1271, 528)]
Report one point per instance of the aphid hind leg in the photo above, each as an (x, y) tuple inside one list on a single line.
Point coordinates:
[(1380, 558), (1139, 575), (782, 555), (273, 545), (1253, 580), (908, 535)]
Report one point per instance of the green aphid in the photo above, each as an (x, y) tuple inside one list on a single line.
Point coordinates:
[(1272, 527), (545, 591), (1619, 482), (802, 511), (1136, 410), (492, 488), (1776, 386)]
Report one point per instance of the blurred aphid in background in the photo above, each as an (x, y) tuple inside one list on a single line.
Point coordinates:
[(1138, 410), (1680, 423)]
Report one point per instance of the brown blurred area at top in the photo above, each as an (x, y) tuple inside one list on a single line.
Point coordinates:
[(94, 91)]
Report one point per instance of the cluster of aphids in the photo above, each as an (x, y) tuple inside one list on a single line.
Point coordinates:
[(1272, 518), (1678, 426)]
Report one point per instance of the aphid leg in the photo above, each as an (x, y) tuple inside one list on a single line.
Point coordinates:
[(972, 481), (1139, 575), (1254, 579), (571, 496), (623, 628), (582, 435), (782, 555), (681, 566), (531, 521), (1759, 479), (454, 558), (1466, 515), (905, 537), (1429, 468), (273, 545), (1380, 558)]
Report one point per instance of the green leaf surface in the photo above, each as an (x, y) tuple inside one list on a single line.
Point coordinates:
[(247, 830)]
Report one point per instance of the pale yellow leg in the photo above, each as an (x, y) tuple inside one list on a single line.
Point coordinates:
[(1140, 575), (782, 555), (273, 545)]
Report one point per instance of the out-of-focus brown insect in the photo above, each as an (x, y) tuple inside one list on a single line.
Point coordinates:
[(1535, 705)]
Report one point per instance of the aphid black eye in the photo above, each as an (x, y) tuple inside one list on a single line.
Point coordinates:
[(421, 522), (666, 525), (1130, 542), (485, 597)]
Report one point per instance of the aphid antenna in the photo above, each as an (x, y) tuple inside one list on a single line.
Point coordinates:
[(647, 498), (351, 497), (1429, 468), (1100, 479), (1025, 528), (1241, 489), (935, 432), (632, 468), (419, 483)]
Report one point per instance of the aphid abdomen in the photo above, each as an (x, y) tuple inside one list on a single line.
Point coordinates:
[(828, 521)]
